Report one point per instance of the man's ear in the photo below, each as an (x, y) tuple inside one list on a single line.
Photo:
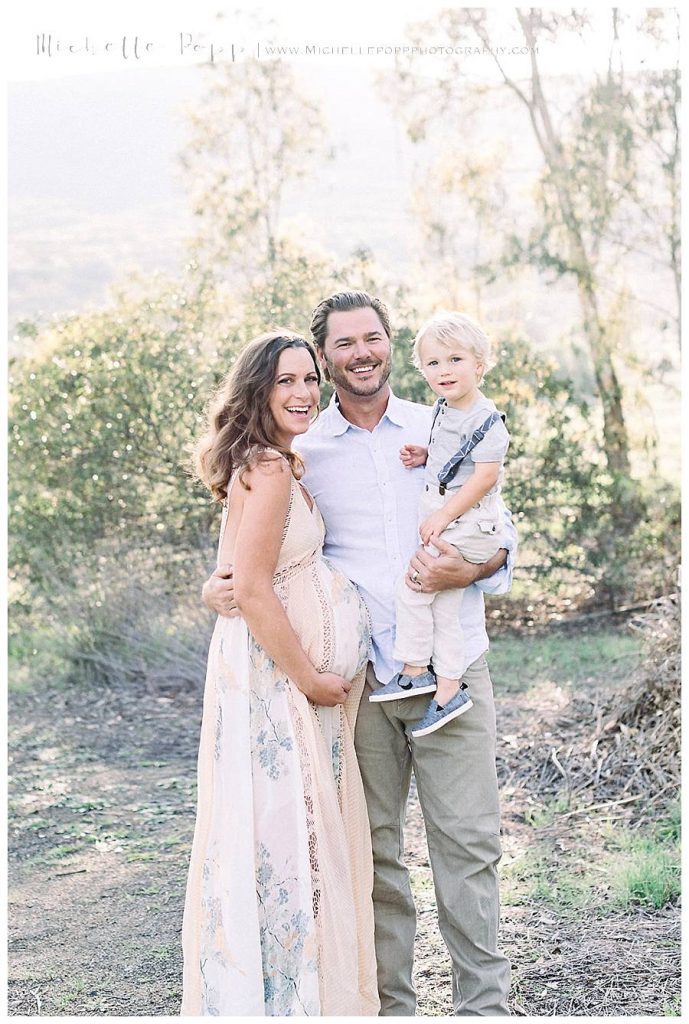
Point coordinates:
[(323, 364)]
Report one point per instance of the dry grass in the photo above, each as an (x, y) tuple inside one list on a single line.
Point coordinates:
[(621, 749)]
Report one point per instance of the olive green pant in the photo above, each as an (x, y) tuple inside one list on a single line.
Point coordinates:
[(457, 786)]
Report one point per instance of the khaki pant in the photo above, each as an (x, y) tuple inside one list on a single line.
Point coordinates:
[(457, 787)]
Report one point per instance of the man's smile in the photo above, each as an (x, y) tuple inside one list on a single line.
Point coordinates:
[(363, 368)]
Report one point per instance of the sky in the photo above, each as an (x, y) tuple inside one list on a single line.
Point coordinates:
[(54, 39)]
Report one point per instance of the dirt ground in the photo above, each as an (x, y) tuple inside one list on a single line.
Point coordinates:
[(101, 819)]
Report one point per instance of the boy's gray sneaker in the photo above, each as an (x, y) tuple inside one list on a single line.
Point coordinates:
[(436, 717), (405, 686)]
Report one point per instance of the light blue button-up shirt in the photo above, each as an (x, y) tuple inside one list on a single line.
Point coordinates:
[(369, 503)]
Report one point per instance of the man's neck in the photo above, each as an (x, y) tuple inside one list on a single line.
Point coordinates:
[(365, 411)]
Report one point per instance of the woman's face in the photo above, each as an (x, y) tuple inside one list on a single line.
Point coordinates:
[(295, 395)]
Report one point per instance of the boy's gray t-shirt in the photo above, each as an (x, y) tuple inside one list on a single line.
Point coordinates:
[(452, 428)]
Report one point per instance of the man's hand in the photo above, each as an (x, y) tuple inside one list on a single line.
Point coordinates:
[(448, 570), (413, 455), (218, 592)]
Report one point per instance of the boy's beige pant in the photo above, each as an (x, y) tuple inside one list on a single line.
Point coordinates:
[(428, 624), (457, 786)]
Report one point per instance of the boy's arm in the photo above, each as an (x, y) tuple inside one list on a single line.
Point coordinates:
[(484, 477), (413, 455)]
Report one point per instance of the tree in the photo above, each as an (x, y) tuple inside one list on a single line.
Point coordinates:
[(589, 166), (253, 134), (657, 134)]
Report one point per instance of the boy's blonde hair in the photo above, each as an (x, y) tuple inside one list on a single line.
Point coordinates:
[(459, 328)]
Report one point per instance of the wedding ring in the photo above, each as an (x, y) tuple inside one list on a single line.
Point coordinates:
[(415, 576)]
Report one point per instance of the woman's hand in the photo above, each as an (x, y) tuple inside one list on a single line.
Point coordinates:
[(218, 592), (327, 689)]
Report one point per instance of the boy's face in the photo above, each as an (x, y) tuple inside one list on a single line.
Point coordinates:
[(357, 354), (451, 370)]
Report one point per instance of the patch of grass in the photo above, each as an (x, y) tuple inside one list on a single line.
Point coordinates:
[(544, 815), (604, 658), (66, 999), (648, 876), (58, 852), (561, 890), (673, 1008), (643, 867), (669, 829), (163, 952)]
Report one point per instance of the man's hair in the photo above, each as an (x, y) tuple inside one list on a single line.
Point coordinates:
[(458, 329), (343, 302)]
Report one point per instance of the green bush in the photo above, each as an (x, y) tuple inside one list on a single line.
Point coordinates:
[(106, 406)]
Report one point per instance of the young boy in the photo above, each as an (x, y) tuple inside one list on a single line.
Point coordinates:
[(463, 462)]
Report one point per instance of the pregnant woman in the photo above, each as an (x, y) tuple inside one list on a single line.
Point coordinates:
[(278, 918)]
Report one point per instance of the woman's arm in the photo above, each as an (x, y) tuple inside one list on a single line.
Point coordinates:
[(256, 550)]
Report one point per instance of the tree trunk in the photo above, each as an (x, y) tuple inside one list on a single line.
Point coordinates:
[(616, 441)]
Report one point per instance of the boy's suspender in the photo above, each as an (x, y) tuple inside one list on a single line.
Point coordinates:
[(449, 470)]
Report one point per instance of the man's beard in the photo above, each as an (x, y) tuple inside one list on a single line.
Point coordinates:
[(341, 379)]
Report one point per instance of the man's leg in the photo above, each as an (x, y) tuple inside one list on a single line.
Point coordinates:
[(385, 763), (458, 792)]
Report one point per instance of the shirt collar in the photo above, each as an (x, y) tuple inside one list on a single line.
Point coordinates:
[(336, 424)]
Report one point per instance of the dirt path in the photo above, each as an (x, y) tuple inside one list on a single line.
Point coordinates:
[(101, 819)]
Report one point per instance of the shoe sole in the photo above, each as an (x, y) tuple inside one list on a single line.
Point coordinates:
[(443, 721), (400, 696)]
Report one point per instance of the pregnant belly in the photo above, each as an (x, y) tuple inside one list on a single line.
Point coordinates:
[(330, 619)]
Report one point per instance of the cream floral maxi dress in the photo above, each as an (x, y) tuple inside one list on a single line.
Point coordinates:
[(278, 919)]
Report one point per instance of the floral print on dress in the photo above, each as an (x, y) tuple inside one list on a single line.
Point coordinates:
[(287, 939)]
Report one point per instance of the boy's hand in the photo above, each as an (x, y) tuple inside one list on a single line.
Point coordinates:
[(433, 526), (413, 455)]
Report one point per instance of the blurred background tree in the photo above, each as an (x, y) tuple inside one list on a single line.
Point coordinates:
[(592, 149), (254, 132)]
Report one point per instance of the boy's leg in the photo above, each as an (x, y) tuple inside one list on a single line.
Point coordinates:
[(414, 625), (457, 786), (448, 642), (385, 764)]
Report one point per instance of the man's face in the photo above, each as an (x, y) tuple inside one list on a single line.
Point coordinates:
[(357, 353)]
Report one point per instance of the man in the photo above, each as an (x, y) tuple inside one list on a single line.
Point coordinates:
[(369, 503)]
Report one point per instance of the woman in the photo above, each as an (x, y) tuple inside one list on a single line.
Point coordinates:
[(278, 918)]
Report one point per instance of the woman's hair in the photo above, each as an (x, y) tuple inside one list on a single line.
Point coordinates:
[(454, 329), (240, 423)]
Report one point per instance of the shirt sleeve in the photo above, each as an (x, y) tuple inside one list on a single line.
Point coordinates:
[(501, 580), (493, 447)]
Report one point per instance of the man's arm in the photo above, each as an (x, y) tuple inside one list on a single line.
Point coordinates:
[(499, 581)]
